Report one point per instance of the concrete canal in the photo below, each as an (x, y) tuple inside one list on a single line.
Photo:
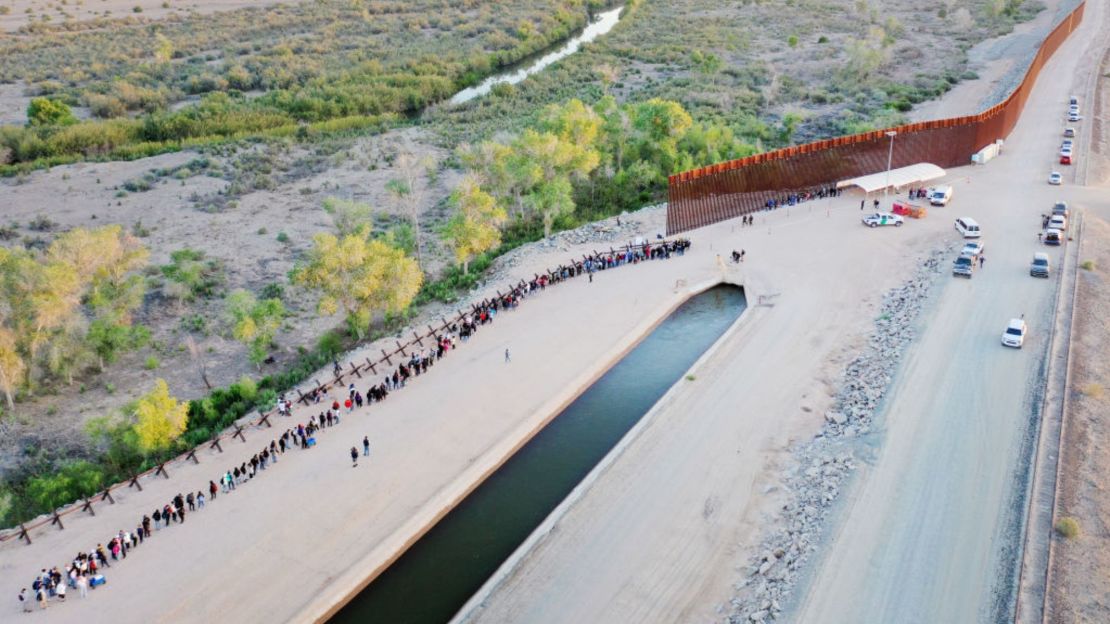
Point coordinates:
[(432, 580)]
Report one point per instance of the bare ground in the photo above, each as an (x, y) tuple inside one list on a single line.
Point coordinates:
[(241, 232), (1079, 589), (24, 12)]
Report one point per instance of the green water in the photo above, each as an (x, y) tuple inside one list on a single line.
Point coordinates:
[(441, 571)]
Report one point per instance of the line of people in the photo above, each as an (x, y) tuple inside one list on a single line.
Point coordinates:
[(86, 569), (791, 199)]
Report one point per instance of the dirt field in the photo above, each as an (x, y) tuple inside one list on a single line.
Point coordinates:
[(240, 232)]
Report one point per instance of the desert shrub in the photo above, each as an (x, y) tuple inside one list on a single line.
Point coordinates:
[(330, 343), (1067, 527), (201, 276), (1088, 265), (1092, 390), (105, 106), (151, 363)]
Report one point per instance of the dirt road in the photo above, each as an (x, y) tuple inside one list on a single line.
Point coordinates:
[(929, 532)]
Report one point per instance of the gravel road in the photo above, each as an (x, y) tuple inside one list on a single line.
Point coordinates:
[(930, 529)]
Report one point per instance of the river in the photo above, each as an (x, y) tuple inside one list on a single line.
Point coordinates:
[(601, 24)]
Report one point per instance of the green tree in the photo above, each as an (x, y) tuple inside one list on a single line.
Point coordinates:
[(159, 419), (557, 161), (475, 226), (108, 337), (359, 275), (47, 112), (74, 481), (254, 323)]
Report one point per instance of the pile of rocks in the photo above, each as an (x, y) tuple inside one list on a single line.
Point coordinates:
[(611, 232), (822, 465), (614, 230)]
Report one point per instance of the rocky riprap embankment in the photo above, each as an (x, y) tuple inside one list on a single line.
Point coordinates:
[(824, 463), (612, 232)]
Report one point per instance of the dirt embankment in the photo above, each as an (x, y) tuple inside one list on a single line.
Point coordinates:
[(1081, 565)]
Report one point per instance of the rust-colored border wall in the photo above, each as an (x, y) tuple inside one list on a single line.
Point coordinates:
[(726, 190)]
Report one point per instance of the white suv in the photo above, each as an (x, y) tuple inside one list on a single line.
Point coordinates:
[(1014, 336)]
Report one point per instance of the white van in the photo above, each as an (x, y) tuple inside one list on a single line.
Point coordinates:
[(940, 195), (968, 227)]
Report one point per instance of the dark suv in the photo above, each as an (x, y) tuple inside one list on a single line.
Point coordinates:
[(963, 266)]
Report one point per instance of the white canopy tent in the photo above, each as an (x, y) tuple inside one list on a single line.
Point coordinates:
[(895, 178)]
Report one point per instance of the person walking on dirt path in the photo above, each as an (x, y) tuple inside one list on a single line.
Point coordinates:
[(876, 204), (982, 259), (861, 202), (354, 457), (365, 446), (507, 358), (25, 600)]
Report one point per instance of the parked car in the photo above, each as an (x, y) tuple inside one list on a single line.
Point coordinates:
[(1053, 237), (1060, 208), (1073, 117), (973, 249), (1067, 144), (1073, 100), (1073, 109), (1065, 156), (968, 227), (1040, 265), (1058, 222), (1055, 178), (1069, 132), (964, 266), (1014, 336)]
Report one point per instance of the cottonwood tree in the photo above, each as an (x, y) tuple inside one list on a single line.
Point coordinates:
[(39, 299), (106, 261), (72, 302), (360, 275), (475, 227), (557, 161), (407, 189), (12, 366), (254, 323), (159, 418)]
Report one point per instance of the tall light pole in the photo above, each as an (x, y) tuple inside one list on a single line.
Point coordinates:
[(889, 159)]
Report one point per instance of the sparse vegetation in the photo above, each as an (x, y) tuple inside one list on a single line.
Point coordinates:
[(1093, 390), (1088, 265), (1067, 527)]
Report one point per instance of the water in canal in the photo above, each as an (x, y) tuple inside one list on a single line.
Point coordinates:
[(601, 24), (440, 572)]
